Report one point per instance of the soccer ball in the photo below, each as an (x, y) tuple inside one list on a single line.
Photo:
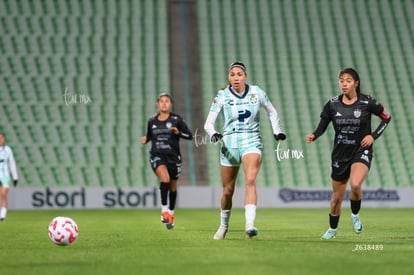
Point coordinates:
[(63, 231)]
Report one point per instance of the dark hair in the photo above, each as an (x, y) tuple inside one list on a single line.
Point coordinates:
[(237, 64), (354, 75), (164, 94)]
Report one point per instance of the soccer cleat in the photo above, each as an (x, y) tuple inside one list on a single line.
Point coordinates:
[(356, 222), (164, 217), (329, 234), (221, 233), (251, 232), (1, 219), (170, 223)]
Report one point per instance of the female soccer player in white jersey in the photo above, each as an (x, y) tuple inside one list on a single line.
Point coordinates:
[(352, 152), (241, 142), (7, 169)]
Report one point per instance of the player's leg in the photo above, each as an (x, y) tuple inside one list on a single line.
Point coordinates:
[(174, 171), (228, 177), (162, 173), (251, 167), (338, 194), (4, 193), (172, 195), (359, 172)]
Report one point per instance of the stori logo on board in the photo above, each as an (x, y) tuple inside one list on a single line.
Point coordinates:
[(84, 198)]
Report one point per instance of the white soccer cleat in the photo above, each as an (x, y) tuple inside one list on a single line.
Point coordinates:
[(221, 233), (357, 224), (329, 234)]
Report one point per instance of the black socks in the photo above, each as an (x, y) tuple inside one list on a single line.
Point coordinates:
[(173, 197), (355, 206), (166, 193), (164, 188), (333, 221)]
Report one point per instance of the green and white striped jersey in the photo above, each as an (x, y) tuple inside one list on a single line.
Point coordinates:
[(7, 163), (241, 114)]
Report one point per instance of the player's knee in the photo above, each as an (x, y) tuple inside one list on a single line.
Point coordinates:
[(355, 186), (250, 180), (337, 197), (228, 191)]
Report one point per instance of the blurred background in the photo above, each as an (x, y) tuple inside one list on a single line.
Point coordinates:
[(79, 80)]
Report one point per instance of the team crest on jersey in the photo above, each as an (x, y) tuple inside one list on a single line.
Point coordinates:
[(168, 124), (357, 113), (253, 99)]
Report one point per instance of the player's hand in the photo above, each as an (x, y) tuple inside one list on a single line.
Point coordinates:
[(175, 130), (310, 138), (144, 140), (216, 137), (280, 136), (15, 183), (367, 141)]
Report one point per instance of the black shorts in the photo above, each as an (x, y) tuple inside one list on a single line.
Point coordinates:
[(173, 163), (341, 169)]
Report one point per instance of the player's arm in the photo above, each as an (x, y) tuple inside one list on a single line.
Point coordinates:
[(323, 124), (278, 133), (148, 136), (184, 131), (13, 168), (215, 109), (382, 113)]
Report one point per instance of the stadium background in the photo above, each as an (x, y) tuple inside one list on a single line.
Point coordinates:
[(117, 56)]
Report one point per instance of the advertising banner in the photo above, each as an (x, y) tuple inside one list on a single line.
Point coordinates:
[(193, 197)]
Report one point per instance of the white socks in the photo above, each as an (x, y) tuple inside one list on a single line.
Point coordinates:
[(164, 208), (3, 213), (250, 213), (224, 218)]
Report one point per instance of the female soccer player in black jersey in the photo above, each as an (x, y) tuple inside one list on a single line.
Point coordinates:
[(164, 130), (350, 114)]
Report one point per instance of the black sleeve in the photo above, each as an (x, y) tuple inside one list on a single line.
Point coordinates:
[(148, 133), (185, 132), (324, 122), (379, 110)]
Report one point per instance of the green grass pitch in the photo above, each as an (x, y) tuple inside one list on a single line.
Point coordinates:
[(136, 242)]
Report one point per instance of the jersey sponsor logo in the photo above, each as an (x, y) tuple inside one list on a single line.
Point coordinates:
[(243, 115), (357, 113), (231, 102), (347, 121)]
